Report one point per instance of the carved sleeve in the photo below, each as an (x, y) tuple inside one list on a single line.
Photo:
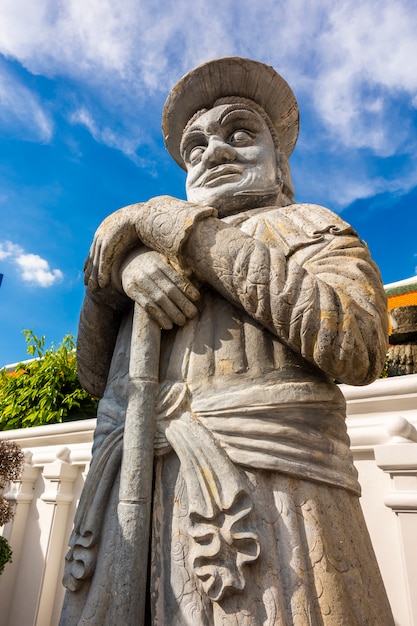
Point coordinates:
[(164, 223), (99, 324), (325, 302)]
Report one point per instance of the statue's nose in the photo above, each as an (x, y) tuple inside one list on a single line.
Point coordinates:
[(217, 152)]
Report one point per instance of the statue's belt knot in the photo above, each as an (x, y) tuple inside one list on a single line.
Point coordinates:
[(219, 509), (222, 540)]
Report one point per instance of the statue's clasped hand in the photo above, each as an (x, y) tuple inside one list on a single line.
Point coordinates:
[(162, 224), (162, 290)]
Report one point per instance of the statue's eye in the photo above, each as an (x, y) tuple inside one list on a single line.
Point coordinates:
[(195, 154), (241, 137)]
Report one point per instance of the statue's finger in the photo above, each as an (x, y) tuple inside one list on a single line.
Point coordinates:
[(146, 298), (183, 284), (174, 297)]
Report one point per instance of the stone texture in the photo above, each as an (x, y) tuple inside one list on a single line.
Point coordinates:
[(402, 353), (261, 303)]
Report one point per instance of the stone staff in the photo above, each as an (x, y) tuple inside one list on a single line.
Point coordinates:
[(135, 494)]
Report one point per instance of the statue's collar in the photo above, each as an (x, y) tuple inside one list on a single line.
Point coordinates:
[(239, 218), (295, 225)]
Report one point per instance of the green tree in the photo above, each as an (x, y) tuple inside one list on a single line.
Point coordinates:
[(45, 390)]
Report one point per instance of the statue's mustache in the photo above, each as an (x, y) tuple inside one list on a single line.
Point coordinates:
[(256, 192)]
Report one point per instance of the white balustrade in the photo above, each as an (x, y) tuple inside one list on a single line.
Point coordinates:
[(381, 423), (56, 460)]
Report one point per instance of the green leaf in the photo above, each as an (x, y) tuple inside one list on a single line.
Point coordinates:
[(46, 390)]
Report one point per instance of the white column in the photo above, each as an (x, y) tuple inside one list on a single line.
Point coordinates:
[(21, 493), (398, 458), (59, 478)]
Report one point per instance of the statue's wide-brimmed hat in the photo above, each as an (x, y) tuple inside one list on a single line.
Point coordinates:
[(225, 77)]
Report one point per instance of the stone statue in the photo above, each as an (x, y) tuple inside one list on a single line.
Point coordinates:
[(262, 304)]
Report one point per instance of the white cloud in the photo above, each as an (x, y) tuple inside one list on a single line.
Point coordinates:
[(21, 110), (37, 271), (366, 57), (351, 64), (74, 37), (32, 268), (8, 249), (108, 136), (128, 50)]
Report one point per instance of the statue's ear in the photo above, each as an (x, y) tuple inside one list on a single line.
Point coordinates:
[(284, 176), (278, 156)]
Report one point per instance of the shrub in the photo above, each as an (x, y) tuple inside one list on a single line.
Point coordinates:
[(45, 390), (11, 465), (5, 553)]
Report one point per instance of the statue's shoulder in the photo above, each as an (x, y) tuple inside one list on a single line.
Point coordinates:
[(312, 219)]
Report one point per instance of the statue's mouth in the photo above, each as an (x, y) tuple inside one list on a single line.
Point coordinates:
[(222, 173)]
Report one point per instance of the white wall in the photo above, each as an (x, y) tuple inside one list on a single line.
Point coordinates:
[(381, 420), (381, 423)]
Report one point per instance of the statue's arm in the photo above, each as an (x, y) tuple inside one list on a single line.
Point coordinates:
[(120, 269), (330, 308), (100, 319), (104, 303), (112, 241)]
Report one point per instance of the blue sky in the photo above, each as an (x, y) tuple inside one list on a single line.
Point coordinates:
[(82, 86)]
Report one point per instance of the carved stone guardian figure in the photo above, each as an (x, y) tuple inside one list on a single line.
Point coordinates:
[(247, 308)]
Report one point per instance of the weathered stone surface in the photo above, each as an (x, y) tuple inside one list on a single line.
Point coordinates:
[(404, 324), (261, 303), (402, 354)]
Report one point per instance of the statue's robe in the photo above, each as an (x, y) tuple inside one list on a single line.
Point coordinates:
[(256, 515)]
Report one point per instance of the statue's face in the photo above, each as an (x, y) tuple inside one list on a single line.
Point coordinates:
[(230, 159)]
